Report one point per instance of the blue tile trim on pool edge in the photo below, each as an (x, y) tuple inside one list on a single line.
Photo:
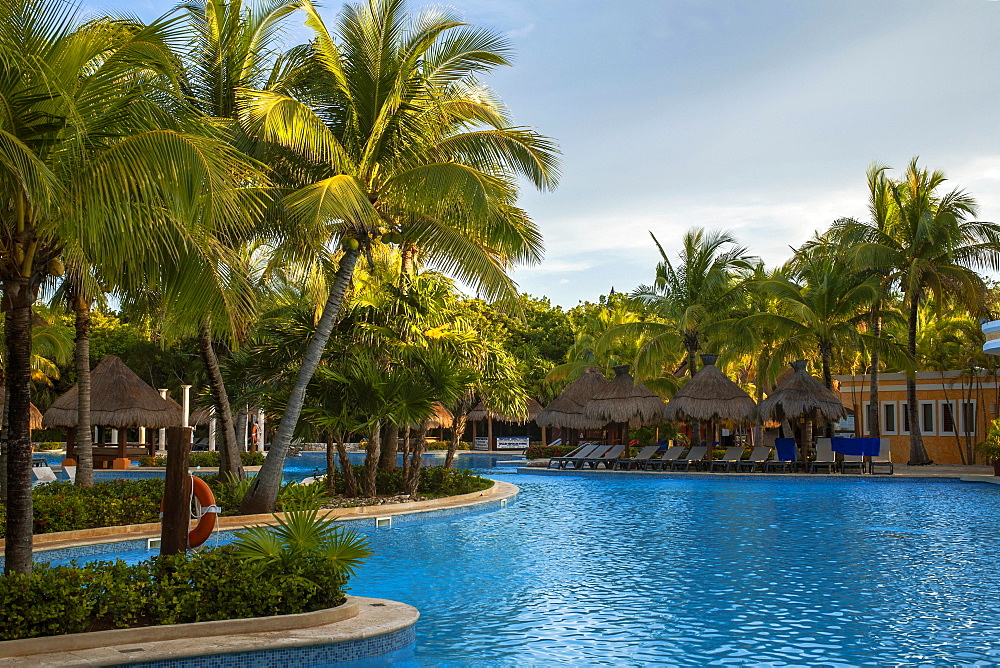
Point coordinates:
[(313, 655), (63, 553)]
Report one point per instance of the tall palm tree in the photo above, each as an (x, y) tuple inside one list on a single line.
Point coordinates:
[(391, 125), (691, 298), (91, 166), (928, 248)]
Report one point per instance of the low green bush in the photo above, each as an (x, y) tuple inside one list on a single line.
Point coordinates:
[(435, 481), (209, 585), (48, 446), (206, 459), (547, 451), (443, 445)]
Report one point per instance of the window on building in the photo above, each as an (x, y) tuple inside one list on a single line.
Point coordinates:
[(905, 412), (889, 417), (947, 418), (927, 418), (968, 417)]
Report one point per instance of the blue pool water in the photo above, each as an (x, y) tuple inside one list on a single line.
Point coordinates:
[(637, 571)]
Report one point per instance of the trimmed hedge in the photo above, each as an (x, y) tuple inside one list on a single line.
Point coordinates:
[(443, 445), (435, 481), (209, 585), (206, 459), (547, 451)]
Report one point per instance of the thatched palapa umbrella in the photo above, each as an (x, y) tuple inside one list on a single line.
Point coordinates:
[(441, 419), (35, 419), (626, 402), (120, 399), (709, 396), (567, 410), (802, 396)]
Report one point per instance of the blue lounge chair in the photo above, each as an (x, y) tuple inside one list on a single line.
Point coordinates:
[(785, 458)]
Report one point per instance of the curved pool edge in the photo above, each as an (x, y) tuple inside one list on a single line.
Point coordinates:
[(500, 493), (379, 626)]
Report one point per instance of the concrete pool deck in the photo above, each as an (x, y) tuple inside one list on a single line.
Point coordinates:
[(380, 624), (499, 492), (976, 473)]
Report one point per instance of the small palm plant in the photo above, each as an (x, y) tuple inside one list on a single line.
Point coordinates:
[(300, 542)]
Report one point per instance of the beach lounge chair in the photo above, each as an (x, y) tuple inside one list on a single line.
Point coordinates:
[(758, 458), (607, 457), (640, 459), (730, 460), (694, 458), (785, 457), (851, 462), (558, 441), (883, 459), (43, 474), (666, 460), (825, 457), (584, 450)]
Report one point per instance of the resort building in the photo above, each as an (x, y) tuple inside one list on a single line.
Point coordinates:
[(955, 409)]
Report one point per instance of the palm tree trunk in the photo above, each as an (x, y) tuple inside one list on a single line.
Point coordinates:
[(17, 549), (84, 432), (874, 425), (346, 468), (371, 461), (406, 451), (387, 455), (241, 428), (331, 466), (695, 423), (264, 491), (4, 428), (457, 431), (918, 454), (229, 454), (416, 461), (826, 353)]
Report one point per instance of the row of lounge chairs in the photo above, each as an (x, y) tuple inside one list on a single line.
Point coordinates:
[(592, 456)]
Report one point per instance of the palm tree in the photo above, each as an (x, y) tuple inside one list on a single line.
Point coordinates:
[(91, 166), (392, 126), (928, 248), (690, 299)]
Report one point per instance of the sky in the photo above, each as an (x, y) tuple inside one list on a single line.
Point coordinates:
[(755, 117)]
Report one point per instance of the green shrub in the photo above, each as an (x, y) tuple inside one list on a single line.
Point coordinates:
[(548, 451), (63, 506), (206, 459), (435, 481), (48, 446), (209, 585)]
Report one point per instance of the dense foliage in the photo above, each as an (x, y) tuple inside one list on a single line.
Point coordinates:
[(207, 459), (547, 451), (209, 585)]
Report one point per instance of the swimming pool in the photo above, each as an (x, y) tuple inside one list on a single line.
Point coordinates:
[(728, 569)]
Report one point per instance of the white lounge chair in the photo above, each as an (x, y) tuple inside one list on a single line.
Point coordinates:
[(825, 457), (730, 460), (883, 459), (758, 457)]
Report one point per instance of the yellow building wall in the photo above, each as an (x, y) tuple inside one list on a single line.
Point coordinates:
[(934, 394)]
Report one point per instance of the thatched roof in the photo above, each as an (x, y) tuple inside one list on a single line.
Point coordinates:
[(119, 398), (532, 408), (710, 394), (624, 400), (442, 417), (802, 394), (199, 416), (567, 410), (35, 421)]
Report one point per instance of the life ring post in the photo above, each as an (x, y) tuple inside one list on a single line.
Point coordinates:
[(176, 492)]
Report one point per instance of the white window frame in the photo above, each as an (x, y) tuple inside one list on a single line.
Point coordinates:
[(920, 414), (895, 418), (975, 417), (942, 403), (866, 428), (903, 418)]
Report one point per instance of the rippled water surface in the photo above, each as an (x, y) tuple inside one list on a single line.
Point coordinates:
[(709, 570), (630, 570)]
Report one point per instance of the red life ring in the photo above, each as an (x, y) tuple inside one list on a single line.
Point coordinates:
[(205, 514)]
